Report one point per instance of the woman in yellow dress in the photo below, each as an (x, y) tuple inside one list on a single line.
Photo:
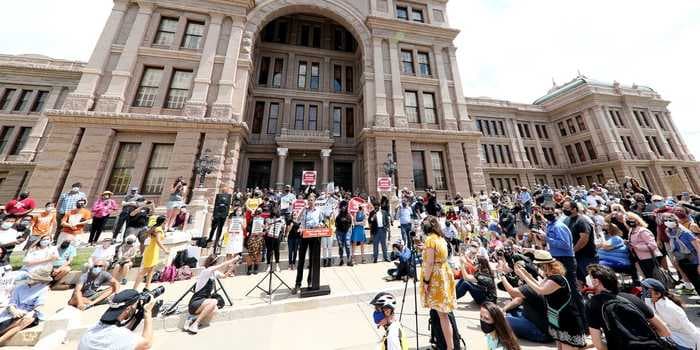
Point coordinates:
[(151, 254), (437, 281)]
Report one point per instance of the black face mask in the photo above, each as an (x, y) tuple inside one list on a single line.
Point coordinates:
[(631, 223), (550, 217), (65, 245), (566, 212), (79, 205), (23, 195), (487, 327)]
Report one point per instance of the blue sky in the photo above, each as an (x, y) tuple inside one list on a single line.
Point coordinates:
[(507, 49)]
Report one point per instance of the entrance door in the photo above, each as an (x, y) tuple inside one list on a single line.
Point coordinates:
[(259, 173), (342, 175), (297, 169)]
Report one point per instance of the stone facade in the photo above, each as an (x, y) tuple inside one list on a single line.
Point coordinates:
[(268, 89)]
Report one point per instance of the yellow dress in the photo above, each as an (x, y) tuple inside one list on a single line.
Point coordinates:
[(441, 294), (152, 251)]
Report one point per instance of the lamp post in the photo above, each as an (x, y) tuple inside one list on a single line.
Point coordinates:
[(390, 168), (204, 166)]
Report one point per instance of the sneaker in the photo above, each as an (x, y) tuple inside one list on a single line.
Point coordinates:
[(269, 267), (194, 328), (341, 262), (350, 263), (188, 322), (277, 267)]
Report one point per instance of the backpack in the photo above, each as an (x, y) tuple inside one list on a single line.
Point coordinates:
[(168, 274), (627, 324), (183, 273)]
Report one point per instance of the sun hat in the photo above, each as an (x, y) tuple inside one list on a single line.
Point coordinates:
[(543, 257)]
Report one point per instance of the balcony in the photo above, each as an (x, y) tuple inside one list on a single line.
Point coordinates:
[(304, 139)]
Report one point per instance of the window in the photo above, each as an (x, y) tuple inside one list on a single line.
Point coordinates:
[(6, 98), (570, 124), (276, 31), (305, 32), (301, 75), (424, 64), (337, 121), (417, 15), (5, 137), (538, 131), (407, 62), (545, 133), (338, 39), (258, 115), (316, 42), (193, 35), (299, 118), (656, 145), (527, 131), (440, 182), (546, 156), (419, 178), (337, 78), (479, 126), (660, 121), (349, 78), (579, 150), (402, 12), (179, 89), (580, 123), (21, 140), (492, 148), (501, 129), (429, 108), (562, 130), (612, 116), (277, 73), (485, 153), (23, 100), (157, 170), (272, 118), (411, 102), (670, 145), (591, 151), (39, 101), (148, 89), (120, 178), (500, 153), (570, 153), (510, 159), (264, 71), (644, 118), (313, 117), (315, 76), (552, 157), (534, 156), (349, 122), (166, 31)]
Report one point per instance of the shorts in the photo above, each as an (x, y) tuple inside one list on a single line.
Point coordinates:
[(174, 205), (194, 305)]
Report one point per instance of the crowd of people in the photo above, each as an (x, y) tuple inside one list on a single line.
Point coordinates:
[(573, 260)]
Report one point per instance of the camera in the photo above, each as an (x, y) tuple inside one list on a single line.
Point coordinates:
[(145, 297)]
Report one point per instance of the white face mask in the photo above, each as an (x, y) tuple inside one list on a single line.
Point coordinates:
[(75, 189), (671, 224), (589, 281), (6, 225)]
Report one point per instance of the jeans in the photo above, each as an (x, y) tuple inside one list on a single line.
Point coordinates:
[(121, 220), (293, 249), (402, 269), (691, 271), (96, 229), (477, 293), (405, 232), (525, 329), (582, 263), (326, 245), (344, 244), (378, 238), (217, 225)]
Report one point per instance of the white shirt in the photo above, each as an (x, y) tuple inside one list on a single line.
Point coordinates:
[(393, 339), (7, 283), (682, 330), (204, 277), (380, 218), (103, 254), (8, 236), (40, 254)]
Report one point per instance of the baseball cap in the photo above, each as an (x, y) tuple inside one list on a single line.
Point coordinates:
[(654, 284), (119, 303)]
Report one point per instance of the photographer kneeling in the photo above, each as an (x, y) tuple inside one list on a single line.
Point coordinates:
[(204, 302), (112, 331), (402, 270)]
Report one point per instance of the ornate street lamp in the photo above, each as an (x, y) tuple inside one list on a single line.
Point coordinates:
[(204, 166), (390, 166)]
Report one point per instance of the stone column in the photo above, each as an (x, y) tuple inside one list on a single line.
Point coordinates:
[(223, 107), (611, 138), (53, 162), (382, 116), (400, 120), (281, 162), (325, 172), (472, 154), (230, 169), (457, 168), (83, 96), (465, 123), (182, 160), (197, 105), (113, 100), (404, 164), (287, 113), (445, 98)]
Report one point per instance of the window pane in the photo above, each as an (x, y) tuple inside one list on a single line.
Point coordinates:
[(317, 37), (411, 102), (148, 90), (23, 100), (349, 122), (272, 118), (590, 149), (301, 75), (337, 78), (21, 140), (258, 115), (407, 61), (424, 63), (337, 121), (6, 98), (349, 78), (429, 107), (179, 89), (579, 150), (401, 12), (166, 31), (39, 102), (193, 35), (157, 168), (120, 178), (304, 35), (277, 75), (315, 76), (418, 170), (264, 71), (5, 136), (570, 153), (417, 15), (313, 117), (438, 171), (299, 118)]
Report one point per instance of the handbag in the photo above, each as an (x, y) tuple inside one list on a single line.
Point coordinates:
[(553, 314), (663, 276)]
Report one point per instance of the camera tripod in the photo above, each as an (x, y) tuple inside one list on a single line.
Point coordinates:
[(413, 272), (221, 288), (269, 289)]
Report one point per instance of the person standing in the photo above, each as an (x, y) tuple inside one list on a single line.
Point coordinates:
[(643, 244), (74, 221), (175, 201), (437, 289), (343, 223), (151, 254), (293, 239), (582, 236), (358, 232), (310, 218), (222, 204), (380, 224), (128, 205), (67, 202), (101, 210), (559, 239), (684, 248), (405, 216)]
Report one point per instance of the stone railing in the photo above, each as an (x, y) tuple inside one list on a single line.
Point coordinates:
[(294, 133)]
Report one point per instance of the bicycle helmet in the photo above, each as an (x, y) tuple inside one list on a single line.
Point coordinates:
[(384, 300)]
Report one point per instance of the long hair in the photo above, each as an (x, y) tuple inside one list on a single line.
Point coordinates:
[(673, 297), (484, 266), (503, 331), (554, 268), (434, 226)]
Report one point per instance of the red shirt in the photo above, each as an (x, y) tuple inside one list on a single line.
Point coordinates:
[(660, 226), (15, 207)]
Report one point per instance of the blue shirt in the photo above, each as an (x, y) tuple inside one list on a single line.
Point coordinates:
[(524, 197), (405, 255), (64, 255), (67, 201), (559, 239), (404, 215), (686, 238), (311, 218), (27, 298)]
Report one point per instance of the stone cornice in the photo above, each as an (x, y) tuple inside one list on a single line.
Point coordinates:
[(427, 30), (425, 135), (39, 62)]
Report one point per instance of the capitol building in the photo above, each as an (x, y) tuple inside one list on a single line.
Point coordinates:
[(268, 89)]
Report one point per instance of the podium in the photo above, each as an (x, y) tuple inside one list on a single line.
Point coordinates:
[(316, 289)]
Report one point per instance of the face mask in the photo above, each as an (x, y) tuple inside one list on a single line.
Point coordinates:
[(487, 327), (79, 205), (23, 196), (65, 245), (378, 316), (130, 242), (659, 204), (589, 281), (550, 217), (566, 212), (631, 223), (6, 225), (671, 224), (95, 270), (75, 189), (44, 243)]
